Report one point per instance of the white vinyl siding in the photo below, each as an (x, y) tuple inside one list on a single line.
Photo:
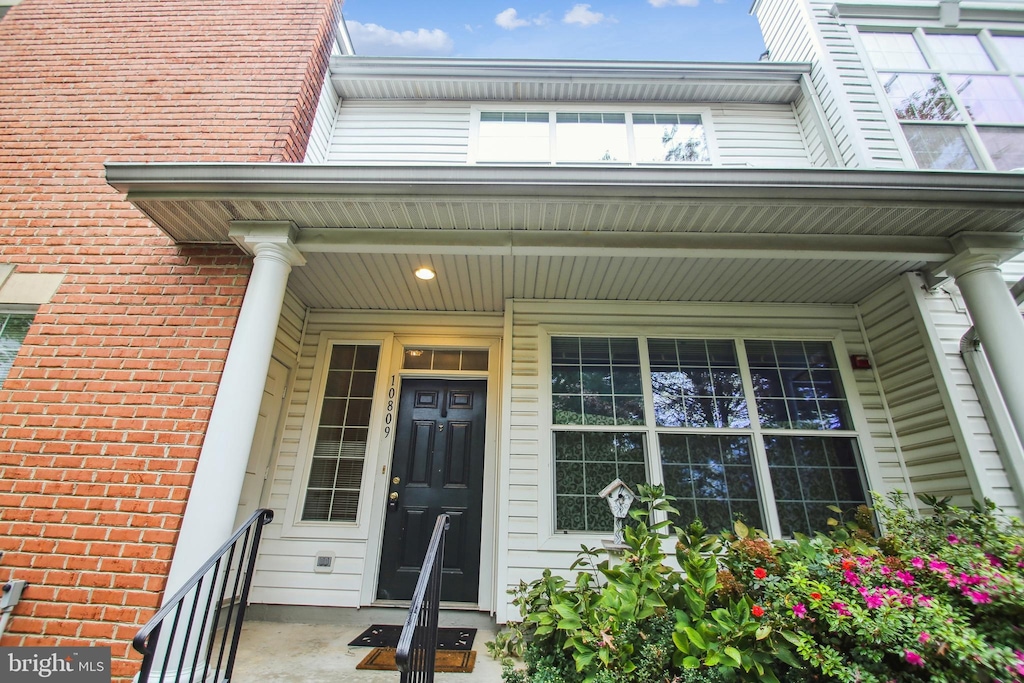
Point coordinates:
[(415, 133), (803, 30), (759, 135), (323, 124), (531, 544), (421, 133)]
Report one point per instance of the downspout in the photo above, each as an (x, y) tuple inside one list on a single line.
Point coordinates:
[(1004, 432)]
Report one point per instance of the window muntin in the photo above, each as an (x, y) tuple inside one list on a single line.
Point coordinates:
[(13, 330), (957, 84), (339, 452), (426, 358), (586, 462), (592, 137), (708, 449)]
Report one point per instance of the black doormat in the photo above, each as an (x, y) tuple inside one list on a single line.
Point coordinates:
[(386, 635)]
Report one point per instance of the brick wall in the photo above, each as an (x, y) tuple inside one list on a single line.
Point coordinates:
[(103, 415)]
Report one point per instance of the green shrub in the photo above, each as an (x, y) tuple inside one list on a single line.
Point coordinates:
[(937, 598)]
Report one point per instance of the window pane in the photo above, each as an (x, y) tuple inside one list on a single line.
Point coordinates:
[(959, 52), (797, 385), (591, 137), (712, 478), (596, 381), (332, 491), (990, 99), (696, 383), (513, 136), (919, 97), (940, 147), (893, 51), (1005, 146), (1011, 48), (13, 329), (585, 463), (810, 473), (669, 138)]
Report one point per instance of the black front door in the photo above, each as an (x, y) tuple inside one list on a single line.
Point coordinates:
[(438, 467)]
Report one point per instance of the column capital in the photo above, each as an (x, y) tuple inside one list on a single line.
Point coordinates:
[(976, 250), (276, 237)]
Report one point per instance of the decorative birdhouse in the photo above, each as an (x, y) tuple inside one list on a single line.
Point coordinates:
[(619, 499)]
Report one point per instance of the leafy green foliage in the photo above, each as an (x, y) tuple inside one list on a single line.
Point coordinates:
[(938, 598)]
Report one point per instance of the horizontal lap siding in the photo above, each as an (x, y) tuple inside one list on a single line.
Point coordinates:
[(920, 416), (408, 133), (950, 322), (811, 125), (530, 494), (285, 568), (759, 135)]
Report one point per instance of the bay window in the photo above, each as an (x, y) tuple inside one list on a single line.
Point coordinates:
[(732, 428)]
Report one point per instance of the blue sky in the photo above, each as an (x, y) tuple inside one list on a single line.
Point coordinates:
[(670, 30)]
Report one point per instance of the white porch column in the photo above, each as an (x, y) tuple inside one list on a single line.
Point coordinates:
[(217, 486), (995, 314)]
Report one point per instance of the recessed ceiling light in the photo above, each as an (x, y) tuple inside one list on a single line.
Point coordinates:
[(425, 273)]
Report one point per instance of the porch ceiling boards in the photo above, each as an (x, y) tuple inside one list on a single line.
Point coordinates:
[(492, 233)]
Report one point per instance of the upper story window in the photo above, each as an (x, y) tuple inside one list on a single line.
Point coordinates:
[(591, 137), (959, 97)]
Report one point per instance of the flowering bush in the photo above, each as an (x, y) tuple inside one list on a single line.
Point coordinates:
[(938, 598)]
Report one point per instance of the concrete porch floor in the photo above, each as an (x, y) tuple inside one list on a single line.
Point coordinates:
[(310, 645)]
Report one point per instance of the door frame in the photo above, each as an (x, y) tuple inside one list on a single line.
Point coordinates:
[(385, 452)]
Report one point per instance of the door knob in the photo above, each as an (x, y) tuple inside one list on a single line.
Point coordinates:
[(394, 496)]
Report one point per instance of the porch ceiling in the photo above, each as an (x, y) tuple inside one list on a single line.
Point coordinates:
[(744, 235)]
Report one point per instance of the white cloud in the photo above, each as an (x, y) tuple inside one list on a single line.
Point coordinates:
[(509, 19), (371, 39), (581, 14), (681, 3)]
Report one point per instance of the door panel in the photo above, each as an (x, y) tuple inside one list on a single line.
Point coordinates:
[(439, 464)]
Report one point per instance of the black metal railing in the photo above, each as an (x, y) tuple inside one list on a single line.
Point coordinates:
[(417, 646), (205, 615)]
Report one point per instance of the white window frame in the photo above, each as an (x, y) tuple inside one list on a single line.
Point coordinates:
[(609, 108), (570, 540), (974, 142)]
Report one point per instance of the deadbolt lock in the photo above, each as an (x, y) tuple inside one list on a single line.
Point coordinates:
[(396, 480)]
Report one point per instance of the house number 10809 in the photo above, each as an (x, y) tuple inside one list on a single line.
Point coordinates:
[(389, 416)]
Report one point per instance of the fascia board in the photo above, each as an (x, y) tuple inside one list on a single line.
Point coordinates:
[(899, 187)]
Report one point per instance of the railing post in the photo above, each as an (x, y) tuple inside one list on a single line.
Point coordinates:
[(417, 646)]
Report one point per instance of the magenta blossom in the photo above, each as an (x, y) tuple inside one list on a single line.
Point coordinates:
[(851, 578), (906, 577), (937, 566), (977, 597), (952, 538), (840, 608), (799, 610), (874, 601), (918, 563), (923, 638), (914, 658)]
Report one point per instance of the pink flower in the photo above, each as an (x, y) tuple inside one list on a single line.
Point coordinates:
[(923, 638), (937, 566), (906, 577), (841, 609), (799, 610), (977, 597), (924, 600), (952, 538), (874, 601), (760, 573), (864, 562), (993, 560), (914, 658), (918, 563), (851, 578)]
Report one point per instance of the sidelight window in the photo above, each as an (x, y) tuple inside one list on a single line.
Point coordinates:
[(13, 329), (739, 428), (339, 453)]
